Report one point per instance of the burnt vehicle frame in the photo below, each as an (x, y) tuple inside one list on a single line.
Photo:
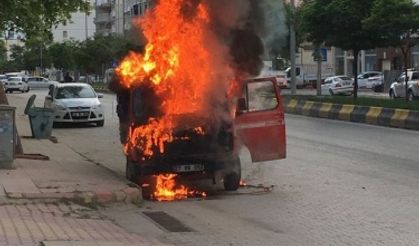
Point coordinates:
[(205, 155)]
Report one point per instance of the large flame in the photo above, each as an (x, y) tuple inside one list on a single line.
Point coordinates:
[(168, 190), (180, 63)]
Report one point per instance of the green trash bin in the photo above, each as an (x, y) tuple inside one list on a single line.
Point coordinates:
[(40, 119)]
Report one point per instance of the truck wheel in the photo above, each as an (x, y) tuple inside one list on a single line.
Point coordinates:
[(232, 179), (132, 171)]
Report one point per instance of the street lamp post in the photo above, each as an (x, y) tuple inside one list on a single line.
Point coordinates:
[(292, 52)]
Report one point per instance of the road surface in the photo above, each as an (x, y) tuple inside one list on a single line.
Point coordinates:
[(341, 184)]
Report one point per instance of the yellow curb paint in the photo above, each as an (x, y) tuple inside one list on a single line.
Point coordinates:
[(325, 109), (372, 115), (292, 104), (399, 117), (307, 107), (345, 112)]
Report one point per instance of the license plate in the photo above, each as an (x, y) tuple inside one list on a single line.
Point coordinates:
[(188, 168), (80, 114)]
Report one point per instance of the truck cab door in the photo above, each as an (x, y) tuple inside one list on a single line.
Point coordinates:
[(260, 123)]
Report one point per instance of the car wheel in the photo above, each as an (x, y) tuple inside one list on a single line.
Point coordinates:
[(100, 123), (331, 92), (391, 93)]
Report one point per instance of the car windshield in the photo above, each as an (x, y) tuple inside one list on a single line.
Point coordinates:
[(415, 76), (15, 79), (75, 92)]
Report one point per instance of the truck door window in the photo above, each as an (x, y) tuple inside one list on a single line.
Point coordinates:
[(261, 96)]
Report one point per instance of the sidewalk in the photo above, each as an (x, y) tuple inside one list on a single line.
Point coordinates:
[(61, 225), (66, 175)]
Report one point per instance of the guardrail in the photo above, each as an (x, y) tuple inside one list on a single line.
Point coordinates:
[(400, 118)]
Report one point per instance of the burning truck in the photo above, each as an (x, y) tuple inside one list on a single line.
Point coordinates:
[(186, 104)]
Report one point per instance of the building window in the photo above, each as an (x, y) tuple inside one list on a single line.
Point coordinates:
[(65, 34)]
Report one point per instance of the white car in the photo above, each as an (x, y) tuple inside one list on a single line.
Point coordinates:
[(376, 83), (15, 84), (337, 85), (398, 88), (3, 78), (363, 79), (75, 103), (40, 82)]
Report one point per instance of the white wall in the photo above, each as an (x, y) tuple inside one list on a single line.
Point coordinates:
[(76, 27)]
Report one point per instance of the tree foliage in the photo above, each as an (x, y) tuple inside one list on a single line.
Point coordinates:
[(395, 21), (92, 56)]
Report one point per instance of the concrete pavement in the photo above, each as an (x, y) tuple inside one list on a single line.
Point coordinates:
[(67, 174)]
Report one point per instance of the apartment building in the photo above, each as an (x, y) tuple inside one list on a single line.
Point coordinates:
[(79, 27), (115, 16)]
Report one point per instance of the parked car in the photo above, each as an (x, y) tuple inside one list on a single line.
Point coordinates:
[(3, 78), (75, 102), (337, 85), (16, 84), (281, 80), (40, 82), (398, 88), (363, 79), (377, 83)]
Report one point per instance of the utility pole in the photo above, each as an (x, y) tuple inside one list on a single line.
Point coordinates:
[(292, 52), (123, 17), (86, 32)]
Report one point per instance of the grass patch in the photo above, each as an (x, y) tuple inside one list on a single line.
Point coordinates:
[(363, 101)]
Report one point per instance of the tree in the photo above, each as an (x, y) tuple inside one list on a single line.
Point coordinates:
[(340, 23), (100, 52), (3, 54), (397, 21), (17, 58), (63, 55)]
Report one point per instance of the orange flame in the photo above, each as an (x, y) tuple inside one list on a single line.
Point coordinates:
[(166, 189), (180, 63)]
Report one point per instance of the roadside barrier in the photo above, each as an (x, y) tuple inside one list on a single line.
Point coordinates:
[(400, 118)]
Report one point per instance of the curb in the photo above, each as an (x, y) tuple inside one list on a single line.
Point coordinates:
[(128, 195), (398, 118)]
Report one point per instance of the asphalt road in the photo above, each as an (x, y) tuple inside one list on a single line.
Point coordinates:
[(341, 184)]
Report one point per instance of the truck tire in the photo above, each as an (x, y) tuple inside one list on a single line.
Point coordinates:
[(232, 178), (132, 171)]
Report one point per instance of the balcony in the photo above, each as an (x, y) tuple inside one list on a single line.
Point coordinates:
[(104, 4), (103, 19)]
